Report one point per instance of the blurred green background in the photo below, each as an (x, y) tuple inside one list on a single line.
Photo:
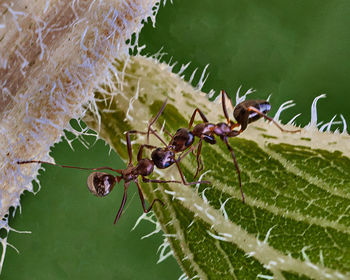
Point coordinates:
[(290, 49)]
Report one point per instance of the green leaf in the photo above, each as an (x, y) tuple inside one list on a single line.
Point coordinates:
[(295, 222)]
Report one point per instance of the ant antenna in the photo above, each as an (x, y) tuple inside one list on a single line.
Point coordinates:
[(67, 166)]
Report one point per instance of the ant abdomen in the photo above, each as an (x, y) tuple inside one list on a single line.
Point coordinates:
[(100, 183)]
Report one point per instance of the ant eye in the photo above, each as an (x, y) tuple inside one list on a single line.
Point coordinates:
[(100, 183)]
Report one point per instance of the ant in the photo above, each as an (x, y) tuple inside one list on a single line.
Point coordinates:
[(101, 183), (244, 113), (164, 157)]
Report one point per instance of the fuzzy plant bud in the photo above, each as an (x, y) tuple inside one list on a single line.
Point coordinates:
[(52, 55)]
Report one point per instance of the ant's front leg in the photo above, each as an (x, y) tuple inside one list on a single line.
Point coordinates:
[(197, 110), (140, 152)]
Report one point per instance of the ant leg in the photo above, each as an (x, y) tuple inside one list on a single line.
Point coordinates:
[(123, 203), (169, 134), (204, 118), (223, 102), (253, 109), (136, 132), (199, 162), (199, 147), (140, 152), (151, 122), (153, 132), (158, 136), (68, 166), (143, 200), (128, 143), (184, 180), (237, 167), (187, 152), (146, 180)]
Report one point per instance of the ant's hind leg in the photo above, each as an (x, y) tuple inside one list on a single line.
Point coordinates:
[(253, 109), (143, 200), (237, 167), (223, 102)]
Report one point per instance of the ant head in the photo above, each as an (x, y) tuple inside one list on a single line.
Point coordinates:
[(101, 184), (243, 114), (182, 139), (163, 157)]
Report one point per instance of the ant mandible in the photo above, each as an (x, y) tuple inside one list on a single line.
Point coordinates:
[(244, 113)]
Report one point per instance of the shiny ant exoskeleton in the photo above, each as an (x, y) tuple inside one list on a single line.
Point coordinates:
[(163, 157), (101, 183), (244, 113)]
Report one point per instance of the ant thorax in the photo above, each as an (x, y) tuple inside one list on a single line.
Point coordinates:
[(205, 131), (222, 129)]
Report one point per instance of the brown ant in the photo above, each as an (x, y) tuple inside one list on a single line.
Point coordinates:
[(164, 157), (244, 113), (101, 183)]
